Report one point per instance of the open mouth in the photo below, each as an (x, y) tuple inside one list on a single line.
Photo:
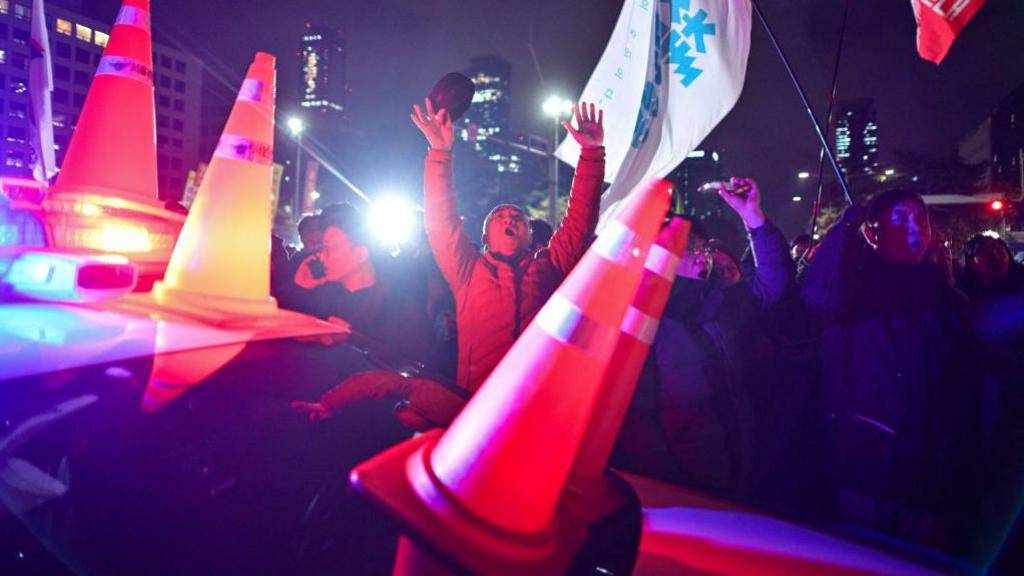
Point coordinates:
[(509, 231)]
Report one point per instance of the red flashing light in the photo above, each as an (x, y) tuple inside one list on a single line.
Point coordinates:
[(996, 205)]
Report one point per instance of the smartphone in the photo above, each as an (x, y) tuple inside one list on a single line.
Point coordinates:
[(712, 187), (316, 268)]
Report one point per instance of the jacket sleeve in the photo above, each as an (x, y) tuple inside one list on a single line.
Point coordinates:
[(568, 243), (432, 400), (828, 283), (773, 268), (454, 252)]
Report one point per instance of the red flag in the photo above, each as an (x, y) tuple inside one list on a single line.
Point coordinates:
[(939, 22)]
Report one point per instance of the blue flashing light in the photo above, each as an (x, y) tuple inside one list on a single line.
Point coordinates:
[(56, 276)]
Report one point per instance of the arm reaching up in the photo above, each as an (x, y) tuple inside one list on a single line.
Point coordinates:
[(453, 250), (580, 220)]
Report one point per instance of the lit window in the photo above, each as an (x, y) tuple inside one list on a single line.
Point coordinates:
[(83, 33), (63, 27), (3, 56), (15, 160), (16, 134), (101, 39), (22, 12), (5, 6), (21, 36)]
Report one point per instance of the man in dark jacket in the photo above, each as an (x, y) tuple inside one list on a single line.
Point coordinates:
[(702, 403), (340, 280), (499, 291), (900, 409)]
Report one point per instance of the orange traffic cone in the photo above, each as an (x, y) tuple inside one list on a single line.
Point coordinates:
[(638, 330), (490, 485), (506, 457), (222, 258), (113, 150)]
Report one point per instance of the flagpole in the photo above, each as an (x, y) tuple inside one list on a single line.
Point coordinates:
[(807, 104), (828, 119)]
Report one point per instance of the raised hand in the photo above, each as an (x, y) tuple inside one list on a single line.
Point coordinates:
[(589, 131), (745, 201), (436, 126)]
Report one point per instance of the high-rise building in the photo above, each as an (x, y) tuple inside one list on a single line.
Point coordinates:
[(76, 44), (998, 144), (324, 74), (699, 168), (488, 116), (1008, 143), (856, 137)]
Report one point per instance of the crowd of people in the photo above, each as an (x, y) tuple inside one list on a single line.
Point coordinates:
[(867, 380)]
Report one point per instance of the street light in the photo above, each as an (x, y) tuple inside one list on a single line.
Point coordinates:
[(803, 175), (558, 108), (296, 126)]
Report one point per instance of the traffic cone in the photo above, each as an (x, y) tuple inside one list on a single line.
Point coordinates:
[(506, 457), (486, 494), (639, 327), (113, 150), (174, 374), (222, 257)]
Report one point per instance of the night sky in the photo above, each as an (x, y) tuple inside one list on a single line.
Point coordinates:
[(398, 48)]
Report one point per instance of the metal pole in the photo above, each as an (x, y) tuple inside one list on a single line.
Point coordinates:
[(553, 180), (297, 201), (816, 209), (803, 97)]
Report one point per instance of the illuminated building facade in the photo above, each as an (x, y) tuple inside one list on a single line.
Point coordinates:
[(324, 73), (489, 114), (856, 137), (76, 44)]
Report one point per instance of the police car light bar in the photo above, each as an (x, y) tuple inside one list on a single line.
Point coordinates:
[(66, 277)]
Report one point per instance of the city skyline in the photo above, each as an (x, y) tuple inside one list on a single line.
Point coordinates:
[(397, 49)]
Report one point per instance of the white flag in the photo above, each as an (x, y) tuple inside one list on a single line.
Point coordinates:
[(671, 71), (40, 84)]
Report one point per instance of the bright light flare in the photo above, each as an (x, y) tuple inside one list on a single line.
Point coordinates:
[(391, 220), (129, 239), (296, 125), (803, 175), (557, 106)]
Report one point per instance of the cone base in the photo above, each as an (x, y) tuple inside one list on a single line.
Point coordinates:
[(399, 481), (206, 304)]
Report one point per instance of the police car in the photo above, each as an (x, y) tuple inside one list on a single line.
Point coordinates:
[(141, 438)]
